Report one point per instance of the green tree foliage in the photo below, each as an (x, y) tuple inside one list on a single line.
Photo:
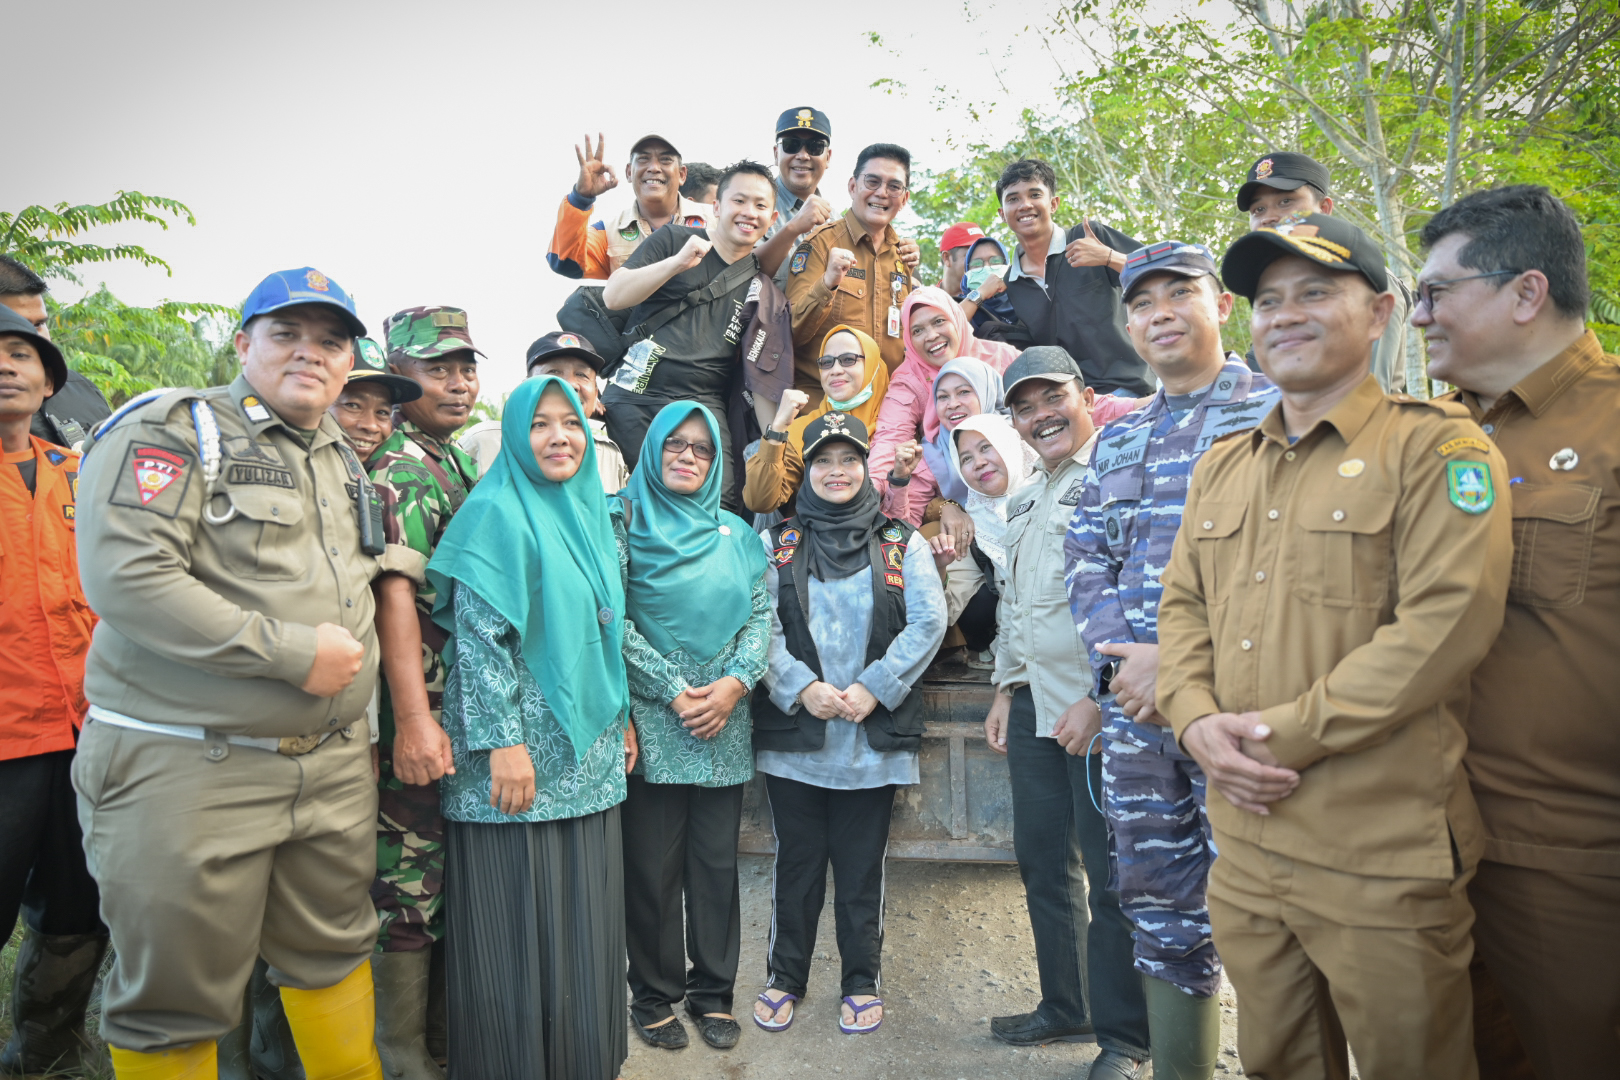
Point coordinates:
[(124, 350), (1410, 103)]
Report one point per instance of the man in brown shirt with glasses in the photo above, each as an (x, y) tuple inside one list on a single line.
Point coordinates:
[(1339, 573), (1502, 302)]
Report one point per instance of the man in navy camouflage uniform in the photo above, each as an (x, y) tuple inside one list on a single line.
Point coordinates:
[(1117, 545)]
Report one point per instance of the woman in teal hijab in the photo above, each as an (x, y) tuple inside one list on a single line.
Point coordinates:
[(695, 643), (535, 704)]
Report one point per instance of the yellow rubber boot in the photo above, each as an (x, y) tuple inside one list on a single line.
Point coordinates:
[(198, 1061), (335, 1028)]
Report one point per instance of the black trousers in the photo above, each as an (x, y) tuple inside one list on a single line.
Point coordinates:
[(681, 840), (1058, 836), (42, 868), (815, 826), (629, 416), (978, 619)]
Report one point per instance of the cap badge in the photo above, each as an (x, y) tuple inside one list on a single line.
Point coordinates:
[(1262, 170), (834, 424), (805, 117), (317, 281), (1353, 467), (568, 341), (1565, 460)]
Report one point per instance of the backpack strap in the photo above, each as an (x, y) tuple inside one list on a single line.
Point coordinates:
[(724, 282)]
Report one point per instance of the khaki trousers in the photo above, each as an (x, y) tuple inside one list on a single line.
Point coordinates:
[(1318, 955), (205, 864), (1549, 940)]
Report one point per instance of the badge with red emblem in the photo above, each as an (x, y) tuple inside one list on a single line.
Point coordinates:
[(1262, 170), (317, 281), (155, 470)]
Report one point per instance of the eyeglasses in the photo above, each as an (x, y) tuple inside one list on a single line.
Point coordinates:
[(701, 450), (792, 144), (979, 264), (873, 183), (1425, 290), (849, 359)]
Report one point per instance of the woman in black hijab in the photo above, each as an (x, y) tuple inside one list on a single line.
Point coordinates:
[(858, 613)]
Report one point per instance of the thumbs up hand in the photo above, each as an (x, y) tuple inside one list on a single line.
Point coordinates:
[(1087, 250)]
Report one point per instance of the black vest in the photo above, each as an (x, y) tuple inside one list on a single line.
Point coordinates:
[(899, 729)]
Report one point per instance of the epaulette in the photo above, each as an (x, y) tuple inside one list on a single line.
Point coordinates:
[(1456, 410), (804, 241), (160, 402)]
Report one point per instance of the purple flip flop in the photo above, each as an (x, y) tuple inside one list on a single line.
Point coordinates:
[(776, 1007), (858, 1009)]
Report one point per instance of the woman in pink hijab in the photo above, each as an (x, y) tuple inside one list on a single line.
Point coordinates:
[(935, 329)]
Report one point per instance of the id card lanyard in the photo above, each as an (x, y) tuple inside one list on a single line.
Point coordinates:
[(895, 284)]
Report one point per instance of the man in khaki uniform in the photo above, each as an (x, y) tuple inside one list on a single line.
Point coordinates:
[(1339, 573), (854, 269), (1502, 302), (227, 542)]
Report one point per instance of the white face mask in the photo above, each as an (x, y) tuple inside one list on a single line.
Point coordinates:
[(975, 278)]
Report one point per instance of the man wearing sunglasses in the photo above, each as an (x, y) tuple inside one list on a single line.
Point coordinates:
[(1502, 304), (855, 269), (803, 152), (581, 248)]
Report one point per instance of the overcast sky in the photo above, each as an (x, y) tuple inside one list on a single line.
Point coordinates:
[(416, 152)]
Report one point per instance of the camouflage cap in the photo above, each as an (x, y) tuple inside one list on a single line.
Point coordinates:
[(427, 333)]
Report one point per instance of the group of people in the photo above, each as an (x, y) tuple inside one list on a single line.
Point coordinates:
[(378, 740)]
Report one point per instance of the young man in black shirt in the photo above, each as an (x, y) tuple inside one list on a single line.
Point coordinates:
[(692, 356), (1064, 287)]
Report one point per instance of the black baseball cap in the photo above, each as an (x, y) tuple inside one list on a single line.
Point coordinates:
[(1050, 362), (1329, 241), (1167, 256), (371, 365), (49, 354), (1284, 171), (562, 343), (804, 121), (835, 426)]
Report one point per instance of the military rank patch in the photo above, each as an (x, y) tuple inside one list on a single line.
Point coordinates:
[(1469, 485), (255, 410), (1451, 446), (797, 265)]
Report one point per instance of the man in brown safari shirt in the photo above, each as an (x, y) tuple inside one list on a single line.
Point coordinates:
[(1339, 573), (1502, 302)]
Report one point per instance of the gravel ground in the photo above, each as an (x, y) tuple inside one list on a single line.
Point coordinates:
[(957, 951)]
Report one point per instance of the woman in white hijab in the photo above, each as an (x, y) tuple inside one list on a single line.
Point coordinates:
[(994, 464)]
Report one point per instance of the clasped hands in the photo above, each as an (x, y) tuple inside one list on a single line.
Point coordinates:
[(704, 710), (826, 702)]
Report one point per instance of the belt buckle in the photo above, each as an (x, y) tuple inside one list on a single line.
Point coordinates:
[(297, 745)]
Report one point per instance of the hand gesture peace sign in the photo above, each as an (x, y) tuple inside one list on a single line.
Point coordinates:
[(595, 175)]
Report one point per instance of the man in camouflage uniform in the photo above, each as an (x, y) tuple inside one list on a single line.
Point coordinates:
[(425, 478), (1117, 545)]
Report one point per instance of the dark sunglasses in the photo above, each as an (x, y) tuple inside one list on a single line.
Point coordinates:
[(849, 359), (700, 450), (792, 144)]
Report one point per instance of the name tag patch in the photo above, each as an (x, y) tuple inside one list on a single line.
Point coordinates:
[(259, 474), (1021, 509), (1121, 451)]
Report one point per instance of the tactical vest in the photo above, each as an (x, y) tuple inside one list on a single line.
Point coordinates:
[(898, 729)]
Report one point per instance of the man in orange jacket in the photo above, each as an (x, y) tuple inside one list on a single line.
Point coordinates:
[(45, 627)]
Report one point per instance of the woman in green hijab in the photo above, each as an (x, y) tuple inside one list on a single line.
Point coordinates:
[(695, 643), (536, 705)]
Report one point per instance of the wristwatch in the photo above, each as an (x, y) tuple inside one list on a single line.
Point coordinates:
[(973, 297), (775, 436)]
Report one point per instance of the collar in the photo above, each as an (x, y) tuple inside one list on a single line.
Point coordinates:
[(1539, 389), (684, 210), (1081, 457), (1015, 265), (438, 447), (260, 417), (856, 232), (1234, 367), (786, 198), (1348, 417)]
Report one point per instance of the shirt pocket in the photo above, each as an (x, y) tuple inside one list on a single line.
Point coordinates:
[(1215, 530), (849, 301), (260, 539), (1552, 543), (1346, 552)]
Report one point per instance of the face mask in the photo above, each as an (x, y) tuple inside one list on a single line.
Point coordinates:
[(975, 279)]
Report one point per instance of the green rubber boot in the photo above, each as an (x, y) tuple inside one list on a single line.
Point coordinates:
[(1185, 1031)]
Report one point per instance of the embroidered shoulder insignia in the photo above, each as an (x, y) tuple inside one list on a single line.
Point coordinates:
[(1468, 483), (1451, 446)]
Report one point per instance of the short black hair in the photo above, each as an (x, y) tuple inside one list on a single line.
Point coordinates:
[(888, 150), (1026, 169), (1520, 227), (17, 280), (745, 167), (699, 175)]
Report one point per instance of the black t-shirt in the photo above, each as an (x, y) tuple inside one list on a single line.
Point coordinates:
[(694, 354), (1081, 309)]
